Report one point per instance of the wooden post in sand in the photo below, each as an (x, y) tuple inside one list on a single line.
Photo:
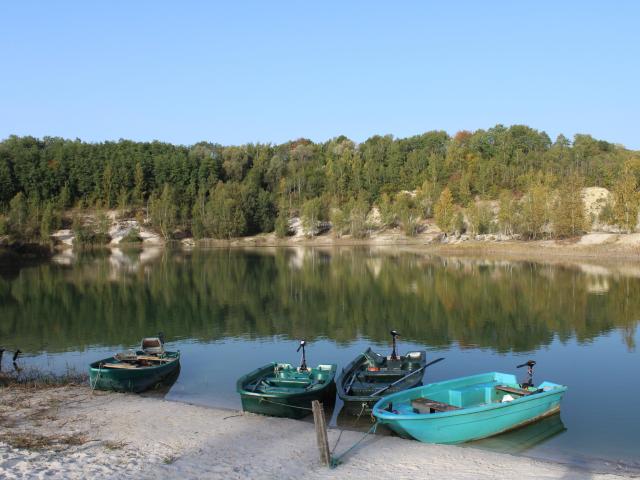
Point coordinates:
[(321, 432)]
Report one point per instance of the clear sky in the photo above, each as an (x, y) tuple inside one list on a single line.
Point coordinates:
[(271, 71)]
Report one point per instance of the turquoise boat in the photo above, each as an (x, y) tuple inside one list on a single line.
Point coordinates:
[(467, 408)]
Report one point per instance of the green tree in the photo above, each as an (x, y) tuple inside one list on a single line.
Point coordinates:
[(408, 213), (535, 212), (312, 213), (17, 215), (282, 222), (480, 218), (358, 209), (139, 185), (508, 213), (49, 221), (568, 215), (163, 212), (388, 214), (224, 215), (339, 221), (123, 202), (625, 202), (444, 211)]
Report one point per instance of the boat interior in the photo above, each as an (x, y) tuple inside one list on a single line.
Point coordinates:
[(461, 397), (284, 378)]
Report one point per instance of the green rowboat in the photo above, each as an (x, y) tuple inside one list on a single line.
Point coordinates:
[(135, 371), (282, 390), (467, 408)]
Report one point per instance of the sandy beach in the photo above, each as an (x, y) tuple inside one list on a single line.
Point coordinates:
[(69, 432)]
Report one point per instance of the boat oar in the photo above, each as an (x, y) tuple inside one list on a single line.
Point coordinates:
[(350, 384), (378, 392)]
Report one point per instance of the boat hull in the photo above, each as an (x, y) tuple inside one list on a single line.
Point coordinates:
[(466, 424), (289, 404), (133, 380)]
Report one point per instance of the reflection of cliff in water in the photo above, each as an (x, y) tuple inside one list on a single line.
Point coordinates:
[(341, 294)]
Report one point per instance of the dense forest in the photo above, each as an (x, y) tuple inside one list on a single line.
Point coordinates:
[(515, 180)]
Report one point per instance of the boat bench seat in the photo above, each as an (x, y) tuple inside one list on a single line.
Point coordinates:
[(517, 391), (384, 374), (288, 382), (426, 405)]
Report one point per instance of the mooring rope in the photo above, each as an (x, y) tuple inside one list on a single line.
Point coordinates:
[(364, 405), (336, 460), (94, 385), (262, 399)]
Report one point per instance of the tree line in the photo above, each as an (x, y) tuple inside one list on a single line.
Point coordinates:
[(508, 179)]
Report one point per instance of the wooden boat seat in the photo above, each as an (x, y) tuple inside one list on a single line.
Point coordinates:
[(119, 365), (516, 391), (151, 358), (426, 405)]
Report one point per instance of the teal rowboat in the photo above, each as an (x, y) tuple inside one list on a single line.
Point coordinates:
[(282, 390), (136, 371), (467, 408)]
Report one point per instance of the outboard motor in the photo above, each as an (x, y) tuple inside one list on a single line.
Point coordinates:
[(161, 337), (394, 353), (303, 363), (530, 364)]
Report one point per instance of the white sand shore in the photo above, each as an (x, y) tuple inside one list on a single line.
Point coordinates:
[(126, 436)]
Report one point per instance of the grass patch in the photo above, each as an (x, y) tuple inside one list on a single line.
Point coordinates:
[(169, 459), (133, 236), (33, 378), (35, 441), (114, 444)]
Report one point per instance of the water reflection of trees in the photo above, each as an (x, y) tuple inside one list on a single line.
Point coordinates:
[(338, 294)]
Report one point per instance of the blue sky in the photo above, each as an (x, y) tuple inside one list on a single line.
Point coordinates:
[(273, 71)]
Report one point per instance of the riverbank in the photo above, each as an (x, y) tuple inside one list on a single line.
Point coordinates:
[(69, 432)]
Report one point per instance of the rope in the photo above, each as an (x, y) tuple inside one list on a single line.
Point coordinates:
[(337, 460), (364, 405), (262, 399), (93, 387)]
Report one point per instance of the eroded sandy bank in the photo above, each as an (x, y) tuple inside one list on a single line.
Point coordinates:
[(105, 435)]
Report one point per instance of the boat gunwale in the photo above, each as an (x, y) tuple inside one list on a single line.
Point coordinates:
[(383, 415), (174, 356)]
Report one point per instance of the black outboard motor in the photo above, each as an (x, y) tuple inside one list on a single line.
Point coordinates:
[(161, 337), (16, 355), (394, 353), (1, 354), (530, 364), (303, 363)]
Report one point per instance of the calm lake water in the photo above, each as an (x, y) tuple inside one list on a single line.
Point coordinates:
[(229, 311)]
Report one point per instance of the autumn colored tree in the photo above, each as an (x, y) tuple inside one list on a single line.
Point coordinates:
[(444, 211), (535, 211), (625, 202), (568, 215)]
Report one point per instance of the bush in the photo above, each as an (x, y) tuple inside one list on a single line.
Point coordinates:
[(133, 236)]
